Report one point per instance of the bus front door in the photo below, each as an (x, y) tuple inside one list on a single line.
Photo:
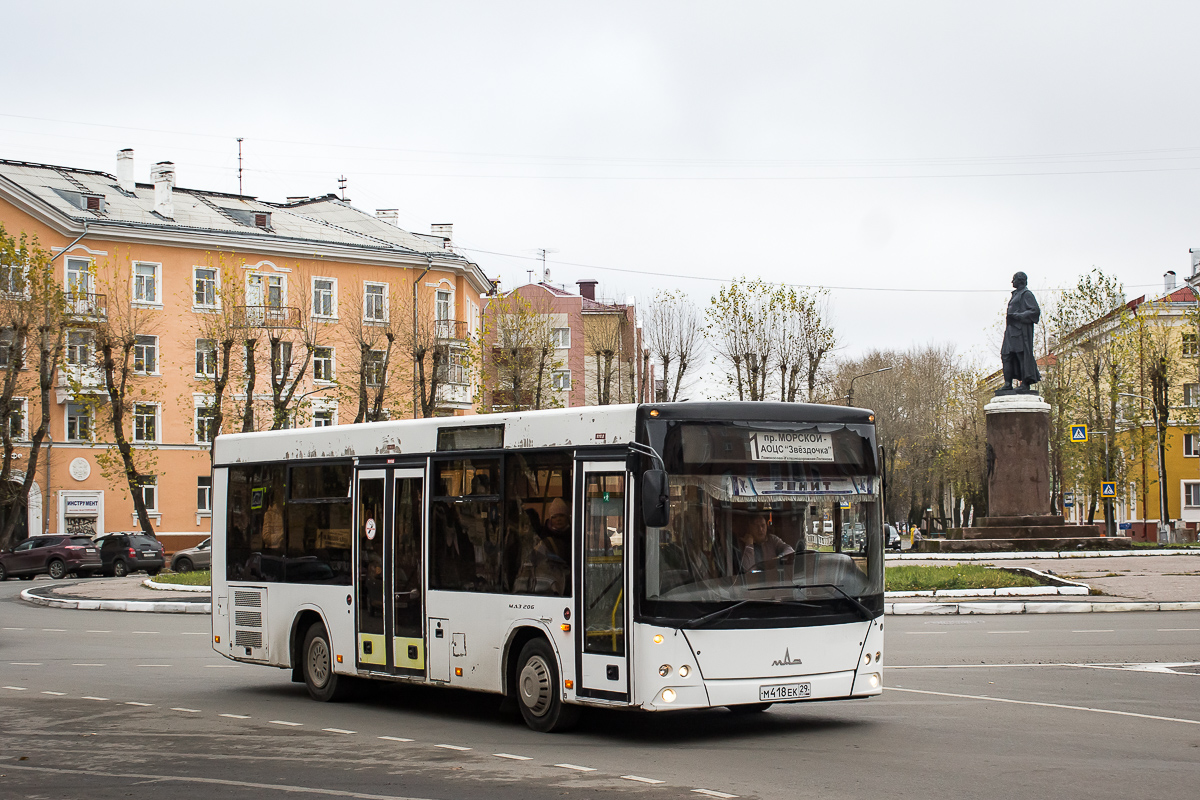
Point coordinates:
[(390, 619), (601, 608)]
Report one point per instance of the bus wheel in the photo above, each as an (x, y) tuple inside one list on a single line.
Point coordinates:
[(317, 664), (538, 692)]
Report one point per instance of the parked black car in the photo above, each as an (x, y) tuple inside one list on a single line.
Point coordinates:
[(122, 553), (56, 556)]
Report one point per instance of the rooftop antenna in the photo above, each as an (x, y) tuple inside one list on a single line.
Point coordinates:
[(530, 275), (239, 165), (342, 187), (545, 273)]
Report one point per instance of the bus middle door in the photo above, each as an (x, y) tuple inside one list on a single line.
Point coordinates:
[(601, 607), (389, 622)]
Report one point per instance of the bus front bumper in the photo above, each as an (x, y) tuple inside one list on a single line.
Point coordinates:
[(745, 691)]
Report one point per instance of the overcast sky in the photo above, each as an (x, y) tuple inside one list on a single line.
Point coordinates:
[(864, 146)]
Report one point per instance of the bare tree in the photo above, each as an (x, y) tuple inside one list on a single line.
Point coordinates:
[(32, 311), (373, 337), (804, 339), (675, 336), (515, 355), (220, 324), (740, 323)]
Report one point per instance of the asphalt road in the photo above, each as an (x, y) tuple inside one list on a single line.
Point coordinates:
[(112, 705)]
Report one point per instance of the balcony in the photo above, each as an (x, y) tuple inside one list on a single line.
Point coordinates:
[(87, 305), (266, 316), (451, 329)]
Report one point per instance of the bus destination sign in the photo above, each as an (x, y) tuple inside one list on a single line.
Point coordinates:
[(791, 446)]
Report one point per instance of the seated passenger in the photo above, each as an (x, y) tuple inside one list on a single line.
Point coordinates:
[(756, 549)]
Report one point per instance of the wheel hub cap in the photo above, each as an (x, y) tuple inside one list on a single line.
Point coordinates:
[(318, 662), (534, 685)]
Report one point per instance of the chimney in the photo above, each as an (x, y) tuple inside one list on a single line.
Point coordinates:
[(587, 288), (389, 215), (125, 170), (1169, 281), (163, 175), (444, 230)]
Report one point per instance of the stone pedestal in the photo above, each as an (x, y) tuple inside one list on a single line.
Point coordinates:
[(1018, 473)]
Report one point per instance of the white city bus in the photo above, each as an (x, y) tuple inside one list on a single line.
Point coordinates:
[(659, 557)]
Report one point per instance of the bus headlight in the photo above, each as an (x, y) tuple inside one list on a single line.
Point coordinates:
[(684, 671), (878, 654), (873, 679), (668, 695), (867, 660), (664, 670)]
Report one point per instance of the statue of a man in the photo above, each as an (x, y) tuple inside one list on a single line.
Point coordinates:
[(1020, 362)]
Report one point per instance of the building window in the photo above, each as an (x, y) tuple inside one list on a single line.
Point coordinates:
[(1191, 444), (205, 282), (457, 368), (375, 302), (265, 290), (79, 422), (324, 297), (1191, 394), (284, 366), (145, 354), (1191, 495), (145, 283), (145, 422), (1190, 347), (324, 418), (148, 484), (16, 419), (561, 338), (204, 493), (206, 358), (206, 425), (373, 368), (79, 276), (323, 364), (8, 341), (561, 380), (442, 305), (79, 348)]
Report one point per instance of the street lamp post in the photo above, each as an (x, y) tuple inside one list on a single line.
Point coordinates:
[(1110, 524), (850, 394), (1163, 513)]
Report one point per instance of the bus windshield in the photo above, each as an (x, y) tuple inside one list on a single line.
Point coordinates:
[(767, 527)]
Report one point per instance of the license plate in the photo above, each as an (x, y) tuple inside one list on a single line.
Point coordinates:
[(786, 691), (147, 552), (90, 550)]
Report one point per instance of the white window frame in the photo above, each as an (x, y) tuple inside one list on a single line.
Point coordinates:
[(366, 365), (265, 279), (91, 343), (21, 435), (156, 418), (212, 353), (324, 406), (555, 380), (1191, 394), (89, 416), (331, 374), (1193, 485), (139, 345), (145, 481), (333, 300), (10, 276), (561, 342), (205, 510), (8, 347), (286, 349), (141, 302), (366, 294), (1191, 445), (89, 281), (216, 289), (197, 414)]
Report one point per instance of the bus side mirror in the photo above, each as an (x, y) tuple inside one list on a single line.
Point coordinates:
[(655, 510)]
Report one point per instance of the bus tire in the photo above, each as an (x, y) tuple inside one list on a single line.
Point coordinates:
[(316, 662), (538, 694)]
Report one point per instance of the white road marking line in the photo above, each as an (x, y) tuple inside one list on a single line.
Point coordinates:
[(341, 730), (234, 716), (1171, 630), (55, 694), (14, 688), (143, 705), (284, 722), (394, 739), (13, 629), (640, 779), (89, 665), (576, 767), (1003, 632), (1094, 630), (514, 758), (187, 710), (152, 632), (220, 666), (925, 633), (711, 793), (193, 633), (1047, 705), (451, 747), (99, 631), (55, 630), (25, 663), (154, 665), (89, 697)]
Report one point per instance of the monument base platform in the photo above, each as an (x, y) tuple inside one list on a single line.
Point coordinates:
[(1025, 545), (1020, 533)]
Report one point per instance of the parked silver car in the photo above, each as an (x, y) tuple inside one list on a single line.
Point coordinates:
[(198, 557)]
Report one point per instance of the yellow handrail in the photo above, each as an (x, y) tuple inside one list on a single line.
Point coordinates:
[(616, 605)]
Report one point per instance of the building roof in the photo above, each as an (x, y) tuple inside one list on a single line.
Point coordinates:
[(325, 220)]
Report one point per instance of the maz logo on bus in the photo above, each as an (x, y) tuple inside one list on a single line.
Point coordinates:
[(787, 660), (521, 606)]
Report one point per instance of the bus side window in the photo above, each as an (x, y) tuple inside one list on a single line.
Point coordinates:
[(537, 547), (465, 525)]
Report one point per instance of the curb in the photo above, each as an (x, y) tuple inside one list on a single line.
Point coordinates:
[(1047, 554), (155, 607), (908, 609), (150, 583)]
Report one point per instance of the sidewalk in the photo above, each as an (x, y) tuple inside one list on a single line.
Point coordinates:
[(1129, 582)]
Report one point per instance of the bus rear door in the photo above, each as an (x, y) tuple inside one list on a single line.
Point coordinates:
[(600, 605)]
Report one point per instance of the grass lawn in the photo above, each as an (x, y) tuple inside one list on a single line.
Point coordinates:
[(194, 578), (917, 578), (1157, 546)]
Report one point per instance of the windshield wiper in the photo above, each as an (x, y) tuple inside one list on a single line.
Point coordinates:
[(866, 612), (723, 611)]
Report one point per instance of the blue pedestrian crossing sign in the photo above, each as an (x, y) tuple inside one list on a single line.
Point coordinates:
[(1079, 433), (1108, 489)]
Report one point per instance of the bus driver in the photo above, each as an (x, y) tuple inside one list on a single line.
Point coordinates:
[(756, 548)]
